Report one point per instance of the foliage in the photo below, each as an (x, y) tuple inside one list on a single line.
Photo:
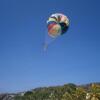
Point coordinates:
[(65, 92)]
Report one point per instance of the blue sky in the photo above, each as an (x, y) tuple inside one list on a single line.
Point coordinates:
[(72, 58)]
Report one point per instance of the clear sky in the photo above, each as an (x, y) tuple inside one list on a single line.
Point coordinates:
[(72, 58)]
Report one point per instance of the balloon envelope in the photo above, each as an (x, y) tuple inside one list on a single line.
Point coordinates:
[(57, 24)]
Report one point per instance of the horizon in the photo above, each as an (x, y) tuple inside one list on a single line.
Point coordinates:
[(47, 87)]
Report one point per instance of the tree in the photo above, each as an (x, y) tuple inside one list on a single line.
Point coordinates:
[(94, 92), (67, 96)]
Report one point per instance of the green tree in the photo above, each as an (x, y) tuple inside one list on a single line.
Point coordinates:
[(67, 96), (94, 92)]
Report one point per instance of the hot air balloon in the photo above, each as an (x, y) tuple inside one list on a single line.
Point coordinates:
[(57, 25)]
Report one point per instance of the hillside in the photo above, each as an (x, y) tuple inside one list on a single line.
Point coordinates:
[(66, 92)]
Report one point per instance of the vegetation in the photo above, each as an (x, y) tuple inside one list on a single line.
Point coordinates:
[(66, 92)]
